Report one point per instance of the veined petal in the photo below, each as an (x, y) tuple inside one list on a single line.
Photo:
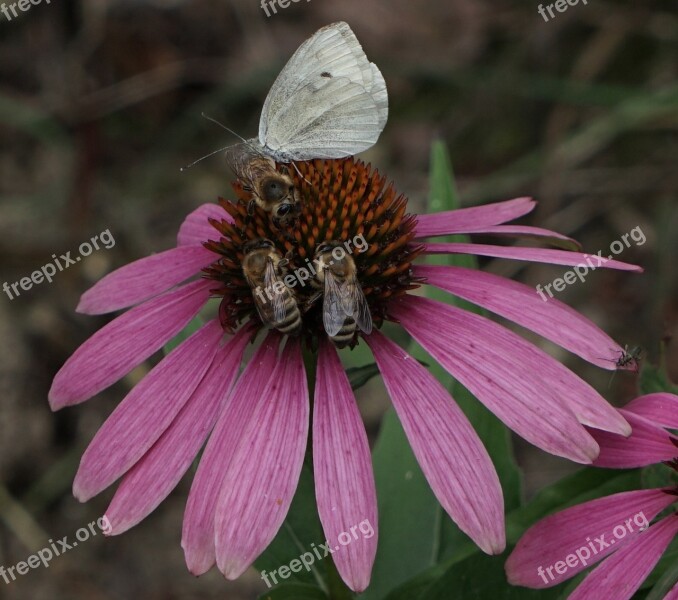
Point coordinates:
[(529, 232), (451, 455), (582, 532), (198, 531), (146, 412), (260, 481), (541, 255), (150, 480), (648, 444), (550, 380), (144, 278), (474, 218), (344, 482), (622, 574), (125, 342), (523, 386), (521, 304), (196, 227), (660, 408)]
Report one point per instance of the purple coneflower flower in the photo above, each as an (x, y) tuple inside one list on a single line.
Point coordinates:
[(564, 544), (256, 423)]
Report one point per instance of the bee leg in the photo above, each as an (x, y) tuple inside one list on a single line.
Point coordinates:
[(311, 301), (250, 207)]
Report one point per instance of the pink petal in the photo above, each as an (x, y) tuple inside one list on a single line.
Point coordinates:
[(661, 408), (451, 455), (344, 482), (146, 412), (198, 531), (648, 444), (525, 231), (520, 303), (542, 255), (196, 227), (622, 574), (125, 342), (144, 278), (472, 219), (526, 388), (578, 529), (149, 481), (260, 481)]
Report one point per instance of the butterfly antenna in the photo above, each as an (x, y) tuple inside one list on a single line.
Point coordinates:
[(242, 139), (195, 162)]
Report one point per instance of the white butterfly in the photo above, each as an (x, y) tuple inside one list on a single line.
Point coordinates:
[(329, 101)]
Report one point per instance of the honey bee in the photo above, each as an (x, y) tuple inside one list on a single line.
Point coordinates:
[(344, 304), (276, 304), (271, 190)]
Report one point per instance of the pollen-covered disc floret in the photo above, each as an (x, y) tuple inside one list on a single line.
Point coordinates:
[(341, 200)]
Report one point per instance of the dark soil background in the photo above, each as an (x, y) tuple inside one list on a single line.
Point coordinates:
[(100, 106)]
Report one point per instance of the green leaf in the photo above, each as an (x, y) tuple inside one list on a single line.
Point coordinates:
[(359, 376), (408, 512), (300, 530), (193, 326), (586, 484), (657, 476), (655, 379), (667, 579), (664, 569), (480, 577), (294, 591)]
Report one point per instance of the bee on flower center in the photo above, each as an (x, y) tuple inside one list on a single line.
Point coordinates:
[(345, 307), (271, 189), (263, 267)]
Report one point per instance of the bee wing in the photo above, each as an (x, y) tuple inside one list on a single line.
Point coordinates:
[(261, 308), (355, 305), (334, 314), (241, 160), (278, 302)]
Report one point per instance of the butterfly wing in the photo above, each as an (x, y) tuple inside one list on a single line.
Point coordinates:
[(329, 101)]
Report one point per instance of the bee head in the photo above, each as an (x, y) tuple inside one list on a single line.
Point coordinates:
[(257, 244), (274, 190), (326, 247)]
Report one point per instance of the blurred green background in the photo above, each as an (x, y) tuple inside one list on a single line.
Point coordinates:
[(100, 106)]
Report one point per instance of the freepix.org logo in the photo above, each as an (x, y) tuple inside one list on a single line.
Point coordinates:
[(10, 10)]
